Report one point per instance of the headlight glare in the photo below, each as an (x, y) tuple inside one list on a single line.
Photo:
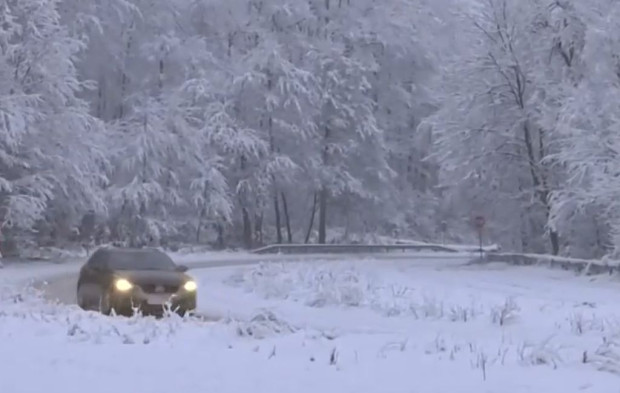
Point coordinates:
[(123, 285), (190, 286)]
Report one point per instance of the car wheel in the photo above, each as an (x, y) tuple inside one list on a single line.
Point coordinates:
[(104, 302), (81, 302), (80, 298), (84, 301)]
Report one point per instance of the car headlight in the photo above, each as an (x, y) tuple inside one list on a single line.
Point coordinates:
[(123, 285), (190, 286)]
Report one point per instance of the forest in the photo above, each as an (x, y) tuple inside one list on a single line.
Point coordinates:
[(249, 122)]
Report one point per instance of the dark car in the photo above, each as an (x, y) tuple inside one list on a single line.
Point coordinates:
[(125, 279)]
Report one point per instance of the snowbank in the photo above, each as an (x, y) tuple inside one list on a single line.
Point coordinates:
[(27, 311), (350, 285), (402, 289), (506, 316)]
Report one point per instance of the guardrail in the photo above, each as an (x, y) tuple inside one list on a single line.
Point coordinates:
[(349, 248), (490, 254), (457, 247), (583, 266)]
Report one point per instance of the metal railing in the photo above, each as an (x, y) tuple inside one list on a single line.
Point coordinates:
[(490, 254), (349, 248), (582, 266)]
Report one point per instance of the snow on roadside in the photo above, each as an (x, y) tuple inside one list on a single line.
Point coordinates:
[(68, 350), (512, 317), (329, 327)]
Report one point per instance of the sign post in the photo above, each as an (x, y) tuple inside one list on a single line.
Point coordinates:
[(479, 222), (444, 230)]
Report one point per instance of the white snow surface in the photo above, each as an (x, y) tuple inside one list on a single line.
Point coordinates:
[(435, 326)]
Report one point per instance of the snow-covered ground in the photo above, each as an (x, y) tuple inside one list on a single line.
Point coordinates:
[(434, 326)]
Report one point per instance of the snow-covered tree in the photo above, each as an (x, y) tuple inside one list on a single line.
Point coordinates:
[(588, 125), (495, 133), (50, 146), (279, 120)]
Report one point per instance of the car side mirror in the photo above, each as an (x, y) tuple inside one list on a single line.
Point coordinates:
[(181, 268)]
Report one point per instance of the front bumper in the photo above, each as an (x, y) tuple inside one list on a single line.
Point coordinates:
[(124, 302)]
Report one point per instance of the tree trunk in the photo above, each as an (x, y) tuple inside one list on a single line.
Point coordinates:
[(276, 209), (554, 237), (220, 235), (555, 242), (323, 215), (160, 80), (323, 192), (247, 229), (311, 224), (258, 229), (121, 105), (121, 108), (287, 219), (535, 161), (541, 188), (199, 225), (100, 102)]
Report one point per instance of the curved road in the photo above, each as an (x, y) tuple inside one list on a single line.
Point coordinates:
[(62, 287)]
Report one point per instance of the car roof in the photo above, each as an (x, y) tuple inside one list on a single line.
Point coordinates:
[(104, 254)]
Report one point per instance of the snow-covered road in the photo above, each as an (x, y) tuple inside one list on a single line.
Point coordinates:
[(349, 325), (59, 281)]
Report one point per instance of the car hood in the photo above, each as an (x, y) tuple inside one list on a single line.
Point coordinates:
[(158, 277)]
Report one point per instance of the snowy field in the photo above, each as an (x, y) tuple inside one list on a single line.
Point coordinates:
[(435, 326)]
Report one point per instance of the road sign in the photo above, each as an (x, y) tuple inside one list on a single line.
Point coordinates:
[(479, 222)]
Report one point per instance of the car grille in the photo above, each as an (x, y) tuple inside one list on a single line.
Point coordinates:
[(151, 288)]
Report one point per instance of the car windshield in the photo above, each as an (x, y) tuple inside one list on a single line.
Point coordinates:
[(139, 260)]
